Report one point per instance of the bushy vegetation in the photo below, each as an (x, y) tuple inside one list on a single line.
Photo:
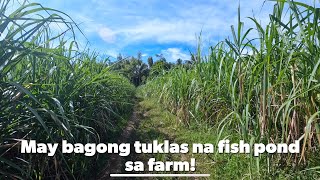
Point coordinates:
[(134, 69), (264, 89), (50, 91)]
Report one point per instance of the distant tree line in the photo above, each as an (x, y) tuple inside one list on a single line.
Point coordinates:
[(138, 71)]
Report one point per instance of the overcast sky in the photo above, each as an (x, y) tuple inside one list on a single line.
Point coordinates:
[(158, 26)]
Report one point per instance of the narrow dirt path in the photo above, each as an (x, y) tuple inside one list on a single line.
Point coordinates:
[(148, 122), (116, 162)]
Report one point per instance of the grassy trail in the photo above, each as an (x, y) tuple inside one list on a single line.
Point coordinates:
[(149, 121), (157, 123)]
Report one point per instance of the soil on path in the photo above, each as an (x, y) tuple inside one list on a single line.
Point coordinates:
[(116, 162)]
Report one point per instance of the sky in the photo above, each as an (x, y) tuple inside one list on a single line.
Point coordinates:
[(155, 27)]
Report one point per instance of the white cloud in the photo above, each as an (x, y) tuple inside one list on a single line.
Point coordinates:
[(172, 54), (181, 24), (162, 31), (112, 52), (185, 22), (107, 34), (90, 26), (121, 25)]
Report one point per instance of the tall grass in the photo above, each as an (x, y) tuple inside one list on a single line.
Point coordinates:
[(50, 91), (268, 95)]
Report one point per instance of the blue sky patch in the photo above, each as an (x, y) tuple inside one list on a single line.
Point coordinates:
[(156, 26)]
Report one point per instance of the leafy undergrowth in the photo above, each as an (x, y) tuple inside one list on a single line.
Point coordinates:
[(159, 124)]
